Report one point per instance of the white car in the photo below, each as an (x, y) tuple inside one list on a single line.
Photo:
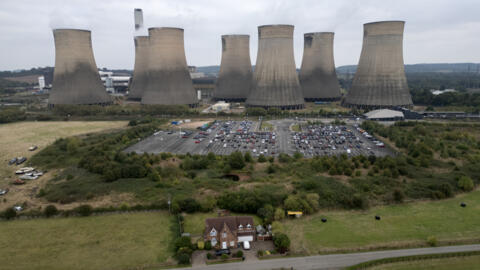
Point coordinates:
[(246, 245)]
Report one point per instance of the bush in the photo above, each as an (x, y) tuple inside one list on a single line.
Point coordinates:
[(432, 241), (281, 242), (210, 256), (260, 253), (10, 213), (208, 245), (224, 257), (50, 210), (239, 254), (236, 160), (183, 259), (183, 242), (261, 158), (200, 245), (84, 210), (465, 183), (398, 195)]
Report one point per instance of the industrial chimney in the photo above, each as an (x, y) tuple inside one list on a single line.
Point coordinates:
[(380, 78), (138, 18), (318, 77), (275, 81), (169, 81), (140, 70), (75, 77), (235, 77)]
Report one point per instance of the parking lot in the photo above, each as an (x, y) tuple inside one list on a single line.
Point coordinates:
[(225, 137)]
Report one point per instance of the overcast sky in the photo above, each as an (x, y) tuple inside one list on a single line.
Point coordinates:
[(436, 31)]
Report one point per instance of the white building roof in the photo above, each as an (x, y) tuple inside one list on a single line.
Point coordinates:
[(383, 113)]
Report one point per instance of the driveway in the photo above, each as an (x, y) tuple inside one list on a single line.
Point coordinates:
[(334, 261)]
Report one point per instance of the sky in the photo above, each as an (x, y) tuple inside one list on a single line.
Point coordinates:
[(436, 31)]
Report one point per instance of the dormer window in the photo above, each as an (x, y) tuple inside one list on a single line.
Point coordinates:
[(213, 232), (240, 227), (249, 226)]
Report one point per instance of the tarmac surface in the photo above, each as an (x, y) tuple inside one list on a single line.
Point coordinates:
[(226, 137), (333, 261)]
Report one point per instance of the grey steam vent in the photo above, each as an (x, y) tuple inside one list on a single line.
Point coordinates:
[(235, 76), (275, 81), (169, 81), (318, 77), (140, 70), (380, 78), (75, 77)]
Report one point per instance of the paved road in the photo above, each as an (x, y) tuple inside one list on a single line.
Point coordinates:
[(334, 261)]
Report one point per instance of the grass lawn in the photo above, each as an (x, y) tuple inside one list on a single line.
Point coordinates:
[(469, 262), (15, 138), (400, 225), (195, 223), (116, 241), (266, 126)]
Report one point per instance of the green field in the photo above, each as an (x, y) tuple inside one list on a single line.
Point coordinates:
[(401, 225), (116, 241), (461, 263)]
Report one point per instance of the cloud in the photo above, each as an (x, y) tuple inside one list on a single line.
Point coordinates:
[(436, 30)]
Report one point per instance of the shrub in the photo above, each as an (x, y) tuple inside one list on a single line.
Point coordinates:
[(210, 256), (10, 213), (279, 214), (183, 242), (432, 241), (183, 259), (224, 257), (248, 157), (281, 242), (208, 245), (260, 253), (239, 254), (236, 160), (465, 183), (50, 210), (200, 245), (398, 195), (84, 210), (261, 158)]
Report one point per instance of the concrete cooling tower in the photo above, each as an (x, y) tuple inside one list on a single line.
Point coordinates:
[(275, 81), (318, 77), (235, 77), (169, 81), (140, 70), (75, 77), (380, 78)]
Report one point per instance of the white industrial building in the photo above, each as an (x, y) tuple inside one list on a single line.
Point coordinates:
[(384, 115)]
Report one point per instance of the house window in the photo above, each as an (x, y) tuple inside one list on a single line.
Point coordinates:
[(224, 234), (213, 233), (240, 227), (232, 243), (213, 241), (249, 226)]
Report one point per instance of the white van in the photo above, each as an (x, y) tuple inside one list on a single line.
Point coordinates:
[(246, 245)]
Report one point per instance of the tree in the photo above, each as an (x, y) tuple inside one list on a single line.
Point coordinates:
[(236, 160), (267, 213), (261, 158), (183, 241), (183, 259), (279, 214), (248, 157), (50, 210), (84, 210), (208, 245), (281, 242), (398, 195), (312, 199), (292, 203), (465, 183), (10, 213)]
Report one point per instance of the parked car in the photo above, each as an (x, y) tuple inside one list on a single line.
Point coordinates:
[(18, 208), (246, 245), (222, 251), (21, 160), (18, 182), (32, 148), (3, 191), (12, 161)]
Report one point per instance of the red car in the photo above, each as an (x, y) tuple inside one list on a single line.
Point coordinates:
[(197, 141)]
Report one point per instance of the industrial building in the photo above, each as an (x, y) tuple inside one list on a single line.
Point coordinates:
[(318, 77), (169, 81), (235, 77), (384, 115), (275, 81), (76, 79), (140, 70), (380, 80)]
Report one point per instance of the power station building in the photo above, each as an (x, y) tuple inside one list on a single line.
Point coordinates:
[(275, 81), (235, 76), (140, 70), (169, 81), (318, 77), (380, 79), (76, 79)]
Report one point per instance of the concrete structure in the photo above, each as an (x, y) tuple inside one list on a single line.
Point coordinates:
[(75, 78), (138, 18), (140, 69), (275, 81), (318, 77), (235, 76), (169, 81), (380, 78), (384, 115)]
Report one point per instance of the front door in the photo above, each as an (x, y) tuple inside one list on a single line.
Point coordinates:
[(224, 245)]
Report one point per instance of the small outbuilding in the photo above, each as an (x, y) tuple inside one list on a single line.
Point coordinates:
[(384, 115)]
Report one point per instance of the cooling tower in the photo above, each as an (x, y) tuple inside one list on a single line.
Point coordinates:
[(75, 77), (380, 78), (275, 81), (318, 77), (169, 81), (140, 70), (235, 77)]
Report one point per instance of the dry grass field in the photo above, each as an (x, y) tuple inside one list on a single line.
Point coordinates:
[(461, 263), (16, 138)]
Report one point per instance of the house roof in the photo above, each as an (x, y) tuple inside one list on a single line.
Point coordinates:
[(231, 222)]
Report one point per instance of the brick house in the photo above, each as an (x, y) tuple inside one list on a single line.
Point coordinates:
[(228, 232)]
